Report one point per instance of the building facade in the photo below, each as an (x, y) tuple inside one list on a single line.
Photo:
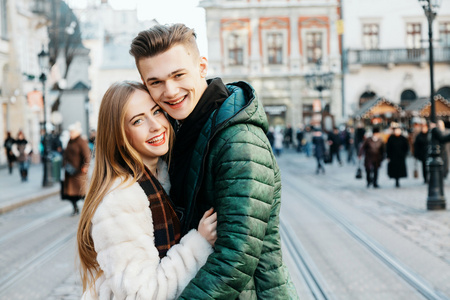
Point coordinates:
[(23, 33), (107, 33), (387, 52), (274, 45)]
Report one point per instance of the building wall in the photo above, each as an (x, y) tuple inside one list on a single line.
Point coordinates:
[(23, 34), (108, 33), (249, 24), (390, 80)]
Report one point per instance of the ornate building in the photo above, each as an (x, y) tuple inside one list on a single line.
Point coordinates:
[(387, 52), (274, 44), (22, 35)]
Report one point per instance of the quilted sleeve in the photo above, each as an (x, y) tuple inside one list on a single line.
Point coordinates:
[(243, 184), (122, 230)]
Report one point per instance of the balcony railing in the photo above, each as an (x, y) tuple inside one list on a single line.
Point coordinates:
[(396, 56), (40, 7)]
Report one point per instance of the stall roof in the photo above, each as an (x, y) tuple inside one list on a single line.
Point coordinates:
[(377, 106), (422, 106)]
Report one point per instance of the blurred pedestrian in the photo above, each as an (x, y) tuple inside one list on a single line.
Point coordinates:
[(55, 143), (300, 140), (421, 150), (360, 134), (438, 133), (278, 141), (373, 150), (441, 135), (350, 145), (271, 136), (129, 236), (319, 149), (288, 137), (9, 142), (22, 150), (397, 148), (76, 164), (91, 140), (307, 136), (334, 140)]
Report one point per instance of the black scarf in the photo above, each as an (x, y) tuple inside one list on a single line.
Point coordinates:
[(213, 97)]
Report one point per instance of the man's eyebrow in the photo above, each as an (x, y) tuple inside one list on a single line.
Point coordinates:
[(170, 74)]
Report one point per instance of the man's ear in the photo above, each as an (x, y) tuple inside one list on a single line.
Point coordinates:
[(203, 66)]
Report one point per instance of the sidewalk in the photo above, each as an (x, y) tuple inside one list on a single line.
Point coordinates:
[(14, 193)]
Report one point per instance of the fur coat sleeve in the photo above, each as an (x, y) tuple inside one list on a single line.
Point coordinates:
[(123, 235)]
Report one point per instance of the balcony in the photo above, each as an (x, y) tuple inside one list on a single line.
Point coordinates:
[(40, 7), (396, 56)]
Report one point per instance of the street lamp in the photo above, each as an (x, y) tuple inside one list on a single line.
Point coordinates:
[(43, 58), (320, 81), (436, 199)]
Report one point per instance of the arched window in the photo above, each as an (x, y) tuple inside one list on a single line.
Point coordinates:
[(366, 96), (407, 97), (444, 92)]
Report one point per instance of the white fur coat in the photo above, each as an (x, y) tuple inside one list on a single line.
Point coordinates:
[(122, 230)]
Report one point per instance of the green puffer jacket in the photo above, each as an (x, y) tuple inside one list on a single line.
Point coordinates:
[(235, 171)]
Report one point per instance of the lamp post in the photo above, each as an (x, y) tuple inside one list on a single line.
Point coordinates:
[(436, 199), (320, 81), (43, 58)]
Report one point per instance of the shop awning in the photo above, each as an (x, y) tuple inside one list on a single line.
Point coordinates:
[(377, 107), (422, 107)]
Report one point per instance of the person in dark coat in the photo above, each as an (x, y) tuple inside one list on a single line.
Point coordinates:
[(360, 132), (271, 136), (299, 136), (443, 139), (397, 148), (373, 149), (22, 150), (334, 140), (319, 149), (9, 142), (421, 150), (76, 163)]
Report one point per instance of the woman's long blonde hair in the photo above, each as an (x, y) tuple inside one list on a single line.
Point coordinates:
[(114, 157)]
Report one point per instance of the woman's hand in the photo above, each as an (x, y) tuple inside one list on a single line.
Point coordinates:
[(207, 226)]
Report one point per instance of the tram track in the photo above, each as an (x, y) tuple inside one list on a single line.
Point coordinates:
[(39, 258), (417, 282), (34, 225), (304, 263)]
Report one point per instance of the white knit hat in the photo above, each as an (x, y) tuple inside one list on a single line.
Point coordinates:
[(75, 127)]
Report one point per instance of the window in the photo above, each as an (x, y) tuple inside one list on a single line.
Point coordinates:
[(275, 48), (3, 20), (313, 46), (413, 35), (370, 36), (444, 34), (444, 92), (365, 97), (407, 97), (235, 50)]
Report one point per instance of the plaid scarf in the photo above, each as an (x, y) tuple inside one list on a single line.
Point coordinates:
[(165, 221)]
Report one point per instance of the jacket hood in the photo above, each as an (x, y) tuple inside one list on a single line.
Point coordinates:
[(242, 106)]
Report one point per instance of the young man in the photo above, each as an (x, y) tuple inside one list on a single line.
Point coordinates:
[(221, 159)]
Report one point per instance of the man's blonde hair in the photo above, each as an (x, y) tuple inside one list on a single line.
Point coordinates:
[(160, 38)]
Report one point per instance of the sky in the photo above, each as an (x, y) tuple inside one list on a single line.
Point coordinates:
[(165, 11)]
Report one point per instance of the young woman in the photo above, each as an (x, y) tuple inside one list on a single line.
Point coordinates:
[(129, 235)]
